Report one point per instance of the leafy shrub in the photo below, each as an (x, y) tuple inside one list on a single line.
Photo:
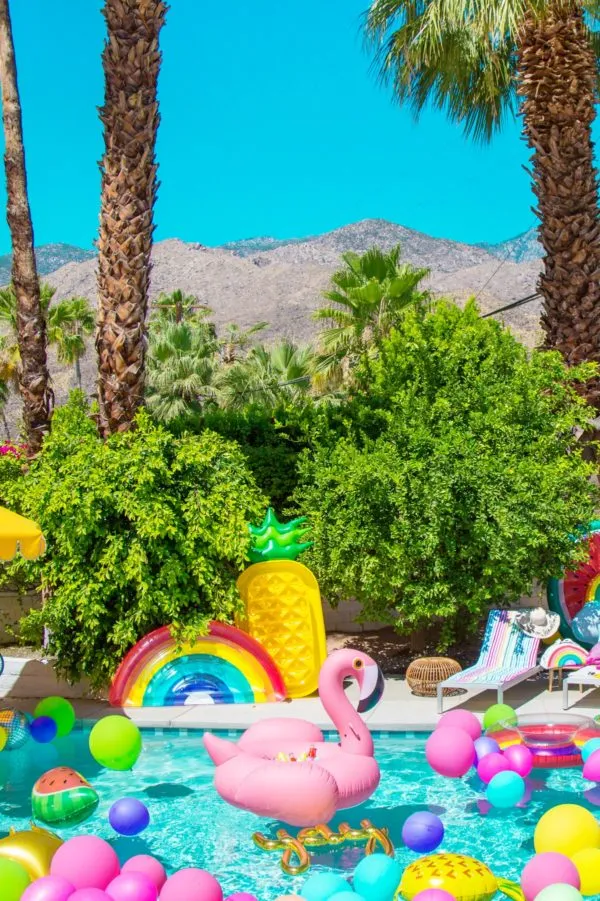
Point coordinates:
[(143, 530), (456, 479)]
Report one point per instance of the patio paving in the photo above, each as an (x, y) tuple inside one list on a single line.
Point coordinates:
[(398, 711)]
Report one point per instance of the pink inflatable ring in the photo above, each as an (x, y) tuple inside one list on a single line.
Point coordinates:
[(553, 744)]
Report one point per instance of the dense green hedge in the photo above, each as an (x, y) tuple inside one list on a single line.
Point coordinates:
[(142, 530), (457, 480)]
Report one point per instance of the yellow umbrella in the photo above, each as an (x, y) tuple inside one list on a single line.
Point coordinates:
[(19, 534)]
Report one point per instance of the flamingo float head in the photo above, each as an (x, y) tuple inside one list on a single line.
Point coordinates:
[(348, 663)]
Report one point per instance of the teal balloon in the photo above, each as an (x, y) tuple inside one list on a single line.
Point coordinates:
[(321, 886), (559, 892), (505, 789), (377, 877), (346, 896), (589, 747)]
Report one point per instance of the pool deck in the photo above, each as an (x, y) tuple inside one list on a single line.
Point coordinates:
[(398, 711)]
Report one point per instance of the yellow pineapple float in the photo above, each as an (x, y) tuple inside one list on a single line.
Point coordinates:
[(466, 878), (283, 603)]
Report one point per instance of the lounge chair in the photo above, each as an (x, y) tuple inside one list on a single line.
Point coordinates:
[(508, 656)]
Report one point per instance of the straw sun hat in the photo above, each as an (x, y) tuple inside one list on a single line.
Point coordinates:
[(539, 623)]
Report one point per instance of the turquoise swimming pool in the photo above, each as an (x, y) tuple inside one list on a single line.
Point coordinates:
[(191, 826)]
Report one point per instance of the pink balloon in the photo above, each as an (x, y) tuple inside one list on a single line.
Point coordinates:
[(450, 751), (90, 894), (433, 894), (519, 759), (461, 719), (490, 765), (546, 869), (591, 768), (48, 888), (132, 887), (87, 862), (149, 866), (191, 885)]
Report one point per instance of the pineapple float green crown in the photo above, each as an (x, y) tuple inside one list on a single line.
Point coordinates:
[(274, 540)]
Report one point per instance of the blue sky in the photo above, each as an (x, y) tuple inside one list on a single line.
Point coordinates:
[(272, 124)]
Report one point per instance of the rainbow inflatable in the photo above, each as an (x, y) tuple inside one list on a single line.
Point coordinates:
[(578, 589), (225, 667), (565, 654)]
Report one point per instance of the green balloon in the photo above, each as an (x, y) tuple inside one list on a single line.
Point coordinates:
[(14, 879), (59, 710), (499, 715), (559, 892), (115, 742)]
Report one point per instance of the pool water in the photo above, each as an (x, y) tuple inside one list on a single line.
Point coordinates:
[(191, 826)]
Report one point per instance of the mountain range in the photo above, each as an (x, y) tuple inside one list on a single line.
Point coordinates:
[(281, 281)]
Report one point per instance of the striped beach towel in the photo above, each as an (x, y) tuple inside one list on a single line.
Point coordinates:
[(506, 652)]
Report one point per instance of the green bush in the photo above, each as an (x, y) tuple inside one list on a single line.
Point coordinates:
[(457, 479), (143, 530)]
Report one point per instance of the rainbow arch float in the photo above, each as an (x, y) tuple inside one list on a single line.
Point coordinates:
[(227, 666)]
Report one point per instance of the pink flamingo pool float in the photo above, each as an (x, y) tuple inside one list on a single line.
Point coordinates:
[(324, 777)]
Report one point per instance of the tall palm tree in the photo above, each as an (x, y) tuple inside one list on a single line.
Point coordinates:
[(267, 376), (475, 60), (368, 297), (34, 381), (131, 61), (235, 339), (177, 307)]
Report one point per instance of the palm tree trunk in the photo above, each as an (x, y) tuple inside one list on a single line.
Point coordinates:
[(34, 381), (6, 426), (557, 70), (131, 61), (78, 372)]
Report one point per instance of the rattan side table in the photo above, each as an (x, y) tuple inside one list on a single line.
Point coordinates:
[(424, 674)]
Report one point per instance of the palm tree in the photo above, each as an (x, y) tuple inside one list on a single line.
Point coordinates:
[(177, 307), (236, 339), (474, 60), (131, 61), (9, 367), (34, 381), (181, 370), (368, 297), (267, 376), (69, 321)]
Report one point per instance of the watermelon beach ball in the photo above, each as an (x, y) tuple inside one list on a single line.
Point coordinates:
[(63, 796)]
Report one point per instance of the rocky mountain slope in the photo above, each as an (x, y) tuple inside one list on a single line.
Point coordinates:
[(282, 281), (523, 249)]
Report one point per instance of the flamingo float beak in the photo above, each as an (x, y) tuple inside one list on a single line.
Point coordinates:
[(371, 689)]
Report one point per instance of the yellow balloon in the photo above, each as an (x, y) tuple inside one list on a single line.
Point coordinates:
[(566, 829), (587, 862), (3, 738)]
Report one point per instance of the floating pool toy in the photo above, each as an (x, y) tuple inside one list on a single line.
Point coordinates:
[(319, 837), (308, 793), (465, 878), (564, 654), (63, 796), (555, 743), (225, 667), (60, 710), (129, 816), (16, 726), (116, 743), (566, 829), (283, 609), (33, 848), (569, 595)]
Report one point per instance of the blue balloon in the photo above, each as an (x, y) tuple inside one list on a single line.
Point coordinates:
[(484, 746), (128, 816), (321, 886), (377, 878), (43, 729), (589, 747), (586, 624), (423, 832), (505, 789)]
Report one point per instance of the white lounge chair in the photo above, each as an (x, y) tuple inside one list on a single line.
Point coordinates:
[(508, 656)]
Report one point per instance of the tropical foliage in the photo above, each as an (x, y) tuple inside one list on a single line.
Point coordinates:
[(480, 62), (144, 529), (452, 479), (367, 299)]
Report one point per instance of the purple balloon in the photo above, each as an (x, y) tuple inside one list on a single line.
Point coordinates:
[(48, 888), (132, 887), (43, 729), (128, 816), (485, 745), (423, 832)]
